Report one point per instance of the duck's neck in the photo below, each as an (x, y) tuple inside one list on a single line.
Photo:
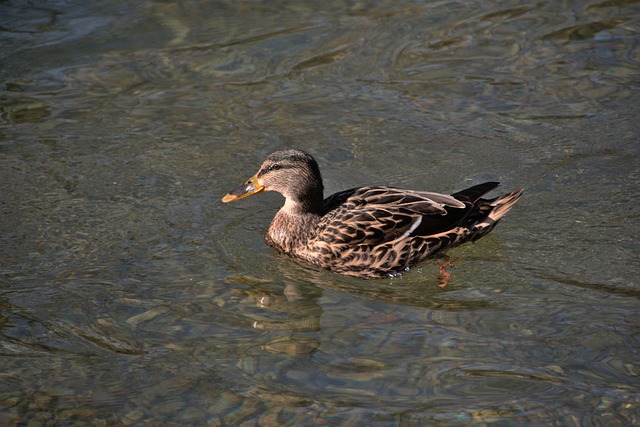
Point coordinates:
[(291, 227)]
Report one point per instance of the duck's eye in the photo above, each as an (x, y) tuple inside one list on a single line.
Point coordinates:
[(275, 167)]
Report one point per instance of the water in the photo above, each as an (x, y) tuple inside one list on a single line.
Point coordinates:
[(130, 295)]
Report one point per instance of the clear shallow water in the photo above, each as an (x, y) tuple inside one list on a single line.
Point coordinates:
[(130, 295)]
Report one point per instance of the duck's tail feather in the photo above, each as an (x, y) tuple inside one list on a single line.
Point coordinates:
[(494, 209), (472, 194), (503, 204)]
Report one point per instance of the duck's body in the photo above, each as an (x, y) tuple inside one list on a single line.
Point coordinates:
[(367, 231)]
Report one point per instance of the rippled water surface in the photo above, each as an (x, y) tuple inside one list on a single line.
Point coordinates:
[(130, 295)]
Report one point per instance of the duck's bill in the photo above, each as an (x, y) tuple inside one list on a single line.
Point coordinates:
[(252, 186)]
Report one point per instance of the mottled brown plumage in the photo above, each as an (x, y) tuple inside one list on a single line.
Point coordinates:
[(367, 231)]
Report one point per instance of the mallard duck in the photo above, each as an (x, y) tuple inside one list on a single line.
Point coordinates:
[(367, 232)]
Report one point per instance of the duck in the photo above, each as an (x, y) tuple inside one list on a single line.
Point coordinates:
[(372, 231)]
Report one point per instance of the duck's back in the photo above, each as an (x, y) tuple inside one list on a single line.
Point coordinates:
[(380, 231)]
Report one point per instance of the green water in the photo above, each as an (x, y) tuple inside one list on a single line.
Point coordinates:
[(129, 295)]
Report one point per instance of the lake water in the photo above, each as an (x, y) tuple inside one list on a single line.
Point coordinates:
[(130, 295)]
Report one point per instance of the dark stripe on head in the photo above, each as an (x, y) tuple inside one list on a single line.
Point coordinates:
[(275, 166)]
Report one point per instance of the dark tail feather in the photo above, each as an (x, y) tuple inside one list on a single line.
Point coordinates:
[(472, 194)]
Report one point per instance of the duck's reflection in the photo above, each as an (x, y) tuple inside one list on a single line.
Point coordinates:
[(289, 308), (303, 308), (290, 302)]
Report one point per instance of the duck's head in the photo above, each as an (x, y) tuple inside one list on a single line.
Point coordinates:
[(292, 173)]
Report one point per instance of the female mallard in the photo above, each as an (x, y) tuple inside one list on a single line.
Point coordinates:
[(367, 231)]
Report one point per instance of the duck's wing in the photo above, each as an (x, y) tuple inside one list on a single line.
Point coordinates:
[(376, 215)]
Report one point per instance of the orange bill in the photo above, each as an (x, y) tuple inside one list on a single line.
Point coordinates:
[(250, 187)]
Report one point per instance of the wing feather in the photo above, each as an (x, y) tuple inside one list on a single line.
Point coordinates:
[(373, 215)]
